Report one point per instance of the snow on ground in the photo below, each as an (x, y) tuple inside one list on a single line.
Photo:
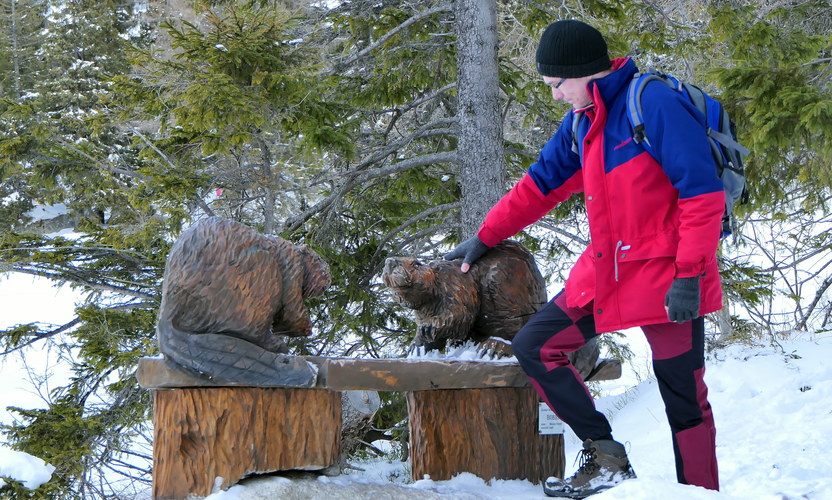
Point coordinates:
[(25, 299), (773, 411), (772, 405)]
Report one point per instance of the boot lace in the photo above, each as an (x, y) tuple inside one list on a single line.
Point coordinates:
[(587, 465)]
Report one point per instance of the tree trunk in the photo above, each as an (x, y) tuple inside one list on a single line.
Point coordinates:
[(357, 411), (723, 320), (480, 149), (723, 316), (268, 186), (15, 48)]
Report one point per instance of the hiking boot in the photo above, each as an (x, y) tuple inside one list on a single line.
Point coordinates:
[(603, 465)]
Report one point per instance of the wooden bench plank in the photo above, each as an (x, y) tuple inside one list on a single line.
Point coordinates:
[(342, 374), (417, 375)]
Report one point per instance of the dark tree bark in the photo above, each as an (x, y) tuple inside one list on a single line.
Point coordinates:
[(482, 162)]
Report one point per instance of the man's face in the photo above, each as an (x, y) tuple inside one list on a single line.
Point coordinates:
[(572, 90)]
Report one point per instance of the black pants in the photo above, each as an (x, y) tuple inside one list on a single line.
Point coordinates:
[(678, 362)]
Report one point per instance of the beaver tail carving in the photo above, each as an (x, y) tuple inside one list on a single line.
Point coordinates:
[(231, 360)]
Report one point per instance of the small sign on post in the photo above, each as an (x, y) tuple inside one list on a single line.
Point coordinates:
[(548, 422)]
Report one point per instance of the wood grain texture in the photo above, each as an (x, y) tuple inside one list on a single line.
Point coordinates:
[(417, 375), (205, 433), (347, 374), (503, 289), (228, 295), (492, 433)]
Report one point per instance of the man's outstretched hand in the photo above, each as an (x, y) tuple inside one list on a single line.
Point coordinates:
[(471, 249)]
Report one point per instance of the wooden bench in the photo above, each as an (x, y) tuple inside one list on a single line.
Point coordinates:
[(477, 417)]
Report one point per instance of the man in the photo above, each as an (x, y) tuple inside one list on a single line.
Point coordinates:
[(654, 224)]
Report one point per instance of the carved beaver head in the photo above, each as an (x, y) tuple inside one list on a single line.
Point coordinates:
[(412, 281), (316, 274)]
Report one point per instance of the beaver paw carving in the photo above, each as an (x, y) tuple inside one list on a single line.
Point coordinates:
[(428, 333)]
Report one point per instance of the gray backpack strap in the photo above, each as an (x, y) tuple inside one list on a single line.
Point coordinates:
[(634, 107), (728, 141), (697, 97)]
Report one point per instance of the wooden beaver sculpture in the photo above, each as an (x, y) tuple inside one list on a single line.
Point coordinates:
[(228, 293), (495, 298)]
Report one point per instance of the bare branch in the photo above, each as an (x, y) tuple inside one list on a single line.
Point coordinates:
[(796, 261), (801, 325), (818, 61), (427, 130), (413, 220), (97, 163), (130, 173), (292, 223), (80, 281), (542, 8), (522, 152), (38, 338), (557, 230), (401, 166), (428, 97), (102, 250), (131, 306), (421, 234), (389, 35), (358, 178)]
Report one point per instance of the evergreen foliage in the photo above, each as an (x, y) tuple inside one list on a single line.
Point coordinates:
[(20, 22), (779, 80)]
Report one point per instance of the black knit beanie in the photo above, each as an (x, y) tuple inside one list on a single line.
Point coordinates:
[(571, 49)]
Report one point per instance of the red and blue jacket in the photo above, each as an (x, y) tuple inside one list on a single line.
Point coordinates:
[(651, 219)]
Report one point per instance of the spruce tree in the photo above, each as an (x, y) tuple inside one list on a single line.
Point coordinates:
[(20, 21), (60, 147)]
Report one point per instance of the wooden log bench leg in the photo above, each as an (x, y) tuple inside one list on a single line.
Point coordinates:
[(202, 434), (492, 433)]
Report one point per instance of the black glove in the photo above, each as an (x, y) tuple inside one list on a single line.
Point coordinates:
[(682, 300), (472, 249)]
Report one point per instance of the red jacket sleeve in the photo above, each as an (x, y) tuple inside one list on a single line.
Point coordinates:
[(525, 204), (700, 224)]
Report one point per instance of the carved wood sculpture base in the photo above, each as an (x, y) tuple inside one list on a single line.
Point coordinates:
[(205, 433), (492, 433)]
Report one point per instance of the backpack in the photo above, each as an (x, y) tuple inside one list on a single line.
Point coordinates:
[(727, 152)]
